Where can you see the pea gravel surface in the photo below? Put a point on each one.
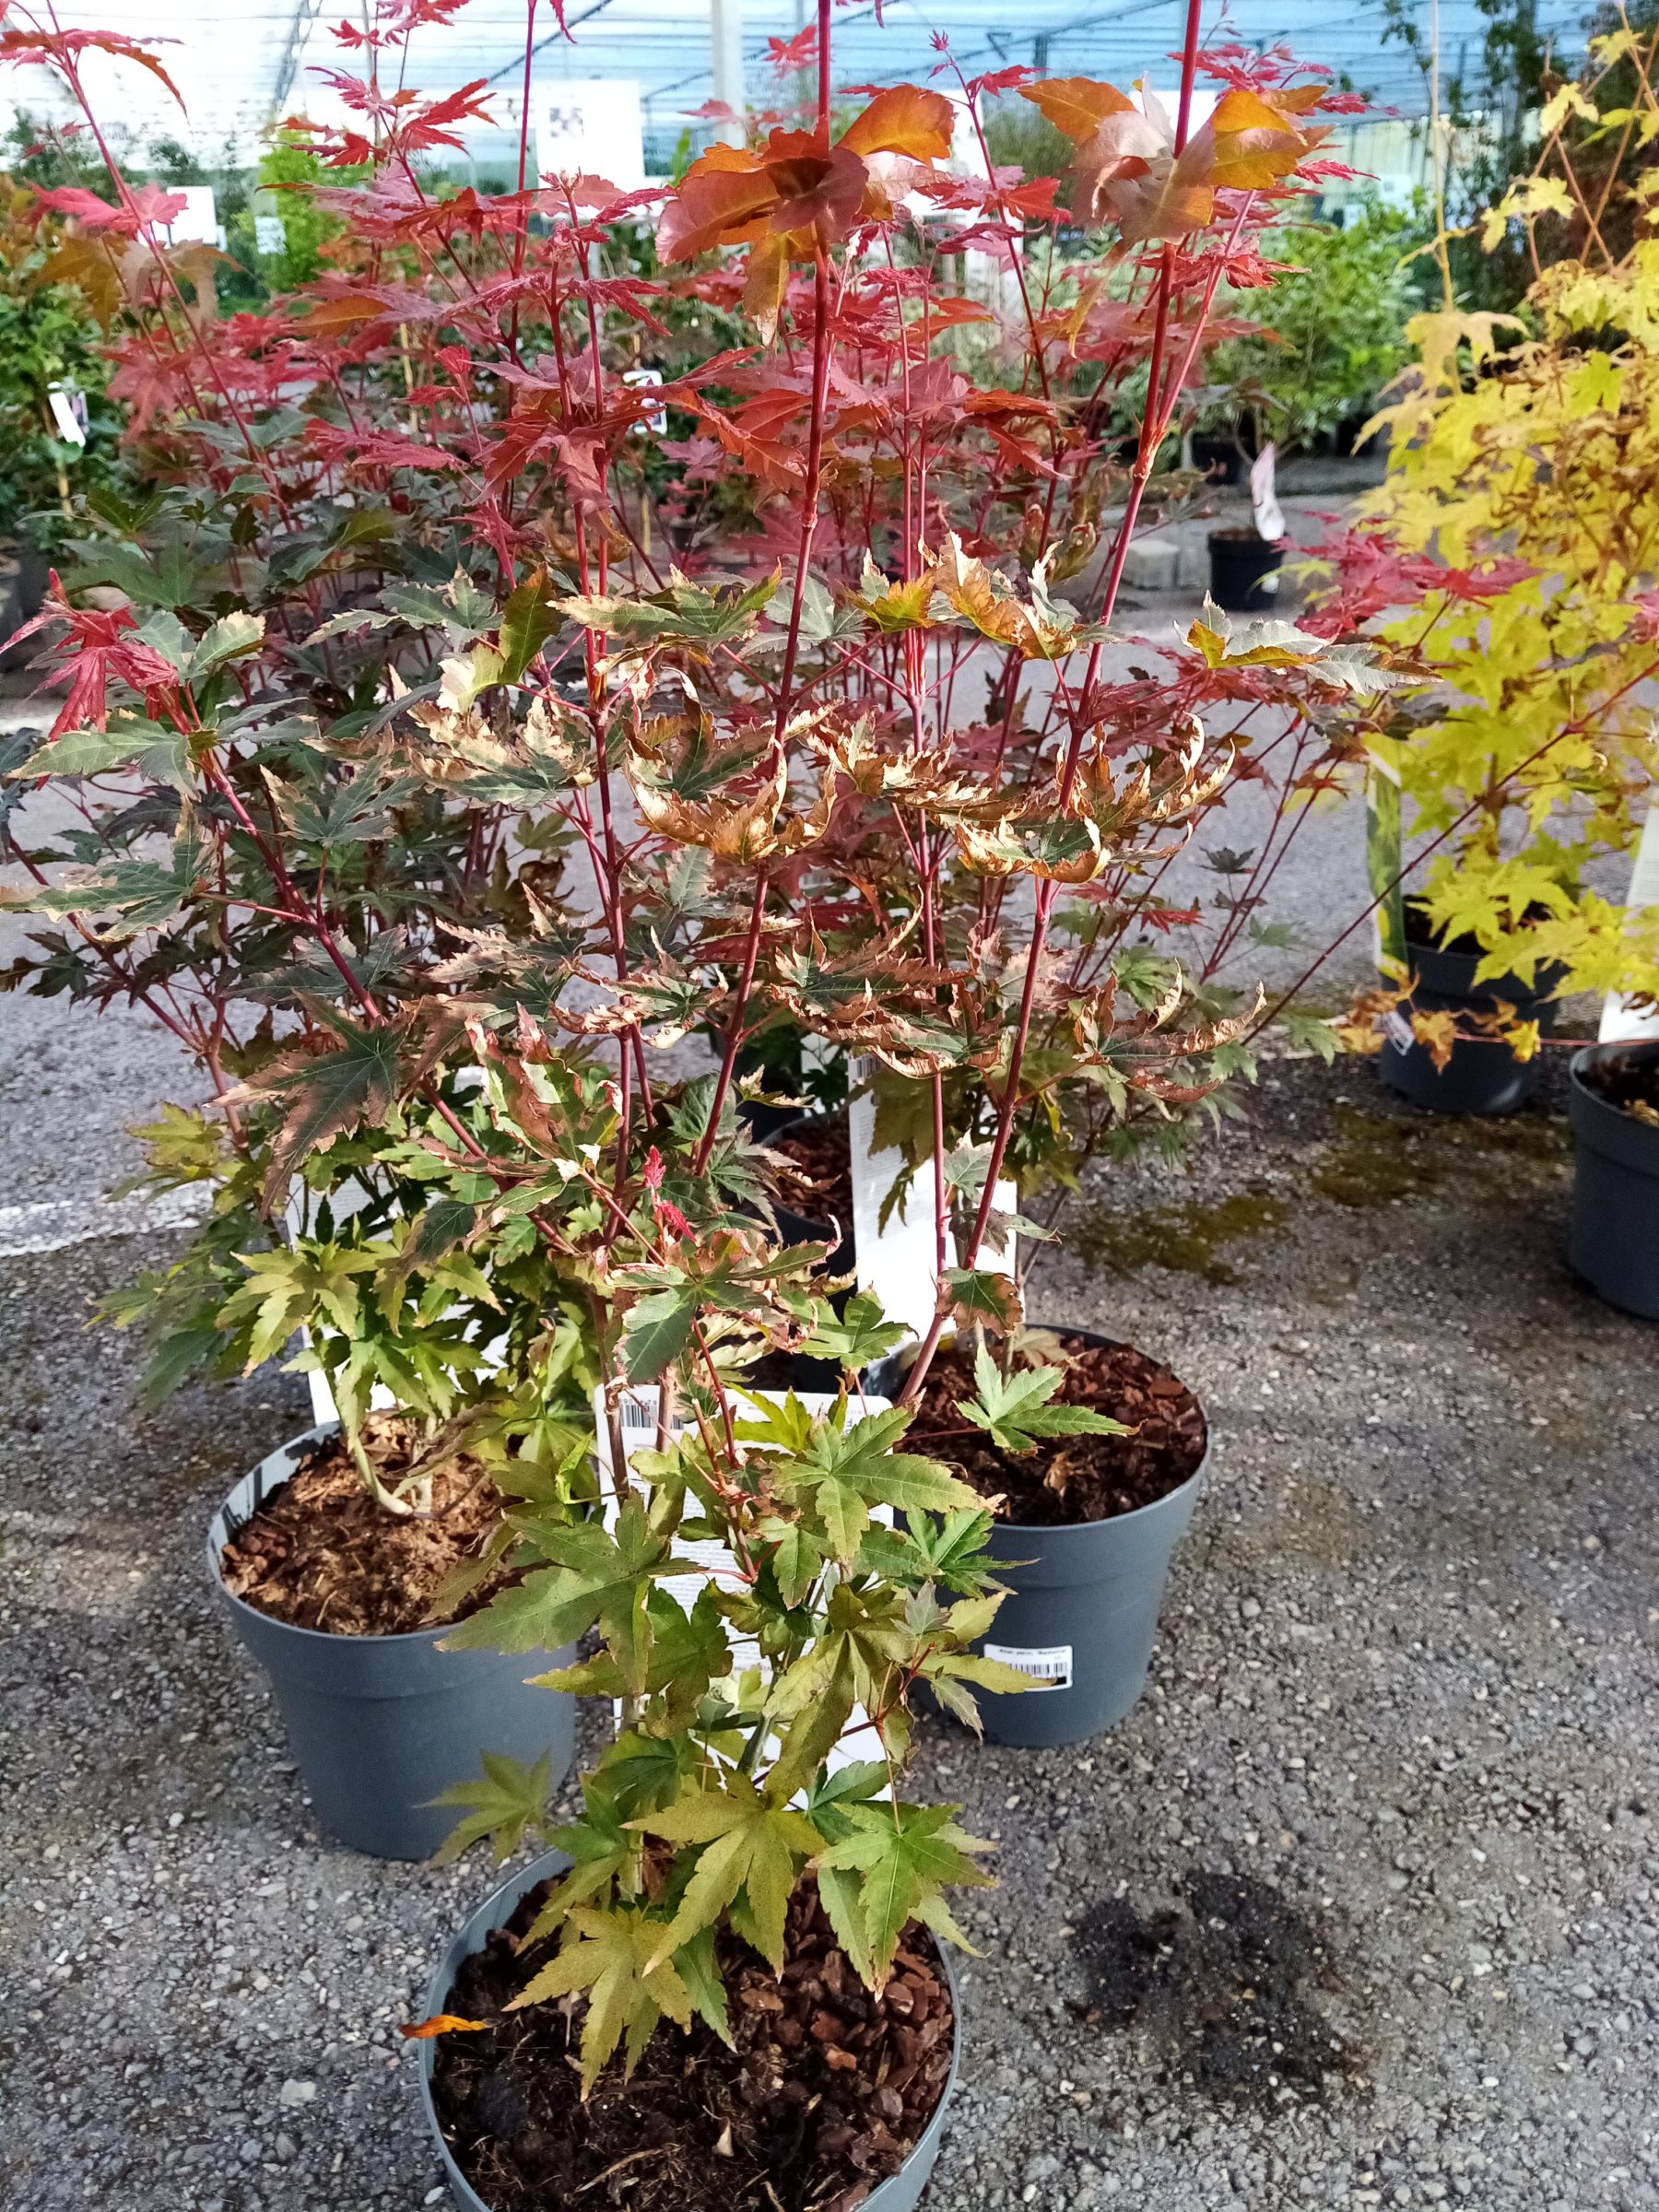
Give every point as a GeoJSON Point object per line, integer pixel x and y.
{"type": "Point", "coordinates": [1358, 1909]}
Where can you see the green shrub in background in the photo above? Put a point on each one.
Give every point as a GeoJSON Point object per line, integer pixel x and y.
{"type": "Point", "coordinates": [46, 337]}
{"type": "Point", "coordinates": [1330, 338]}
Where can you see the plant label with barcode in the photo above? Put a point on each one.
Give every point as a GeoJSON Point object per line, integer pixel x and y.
{"type": "Point", "coordinates": [1045, 1666]}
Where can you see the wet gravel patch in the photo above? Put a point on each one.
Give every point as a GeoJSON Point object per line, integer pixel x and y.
{"type": "Point", "coordinates": [1399, 1743]}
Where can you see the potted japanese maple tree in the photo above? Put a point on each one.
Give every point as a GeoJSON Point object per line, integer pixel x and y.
{"type": "Point", "coordinates": [1511, 559]}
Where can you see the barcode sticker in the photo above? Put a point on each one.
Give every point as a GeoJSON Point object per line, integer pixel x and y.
{"type": "Point", "coordinates": [1048, 1666]}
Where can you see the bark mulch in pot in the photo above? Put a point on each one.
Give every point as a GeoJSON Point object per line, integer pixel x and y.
{"type": "Point", "coordinates": [827, 2091]}
{"type": "Point", "coordinates": [817, 1182]}
{"type": "Point", "coordinates": [1069, 1479]}
{"type": "Point", "coordinates": [1628, 1083]}
{"type": "Point", "coordinates": [321, 1553]}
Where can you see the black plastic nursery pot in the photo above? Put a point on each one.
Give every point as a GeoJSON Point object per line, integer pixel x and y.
{"type": "Point", "coordinates": [901, 2193]}
{"type": "Point", "coordinates": [1614, 1241]}
{"type": "Point", "coordinates": [1223, 460]}
{"type": "Point", "coordinates": [1244, 572]}
{"type": "Point", "coordinates": [382, 1724]}
{"type": "Point", "coordinates": [1483, 1075]}
{"type": "Point", "coordinates": [1081, 1616]}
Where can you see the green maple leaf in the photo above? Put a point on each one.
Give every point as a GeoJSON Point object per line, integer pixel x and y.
{"type": "Point", "coordinates": [289, 1287]}
{"type": "Point", "coordinates": [596, 1576]}
{"type": "Point", "coordinates": [796, 1557]}
{"type": "Point", "coordinates": [903, 1857]}
{"type": "Point", "coordinates": [698, 1967]}
{"type": "Point", "coordinates": [846, 1467]}
{"type": "Point", "coordinates": [160, 753]}
{"type": "Point", "coordinates": [856, 1340]}
{"type": "Point", "coordinates": [748, 1847]}
{"type": "Point", "coordinates": [949, 1552]}
{"type": "Point", "coordinates": [229, 638]}
{"type": "Point", "coordinates": [507, 1799]}
{"type": "Point", "coordinates": [528, 620]}
{"type": "Point", "coordinates": [603, 1853]}
{"type": "Point", "coordinates": [853, 1655]}
{"type": "Point", "coordinates": [356, 1082]}
{"type": "Point", "coordinates": [659, 1328]}
{"type": "Point", "coordinates": [617, 1957]}
{"type": "Point", "coordinates": [683, 610]}
{"type": "Point", "coordinates": [688, 1652]}
{"type": "Point", "coordinates": [1017, 1414]}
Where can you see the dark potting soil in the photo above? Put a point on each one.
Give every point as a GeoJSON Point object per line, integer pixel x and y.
{"type": "Point", "coordinates": [1628, 1082]}
{"type": "Point", "coordinates": [321, 1554]}
{"type": "Point", "coordinates": [1072, 1479]}
{"type": "Point", "coordinates": [818, 1181]}
{"type": "Point", "coordinates": [827, 2089]}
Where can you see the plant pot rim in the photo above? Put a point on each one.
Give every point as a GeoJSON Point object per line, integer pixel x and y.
{"type": "Point", "coordinates": [291, 1452]}
{"type": "Point", "coordinates": [1591, 1101]}
{"type": "Point", "coordinates": [495, 1909]}
{"type": "Point", "coordinates": [1234, 535]}
{"type": "Point", "coordinates": [1050, 1530]}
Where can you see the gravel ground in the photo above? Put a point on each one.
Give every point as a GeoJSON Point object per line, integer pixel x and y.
{"type": "Point", "coordinates": [1393, 1777]}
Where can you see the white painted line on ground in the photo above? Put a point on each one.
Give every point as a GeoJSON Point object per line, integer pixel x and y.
{"type": "Point", "coordinates": [51, 1224]}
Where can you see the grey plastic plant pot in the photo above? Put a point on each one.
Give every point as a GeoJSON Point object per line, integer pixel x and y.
{"type": "Point", "coordinates": [1081, 1616]}
{"type": "Point", "coordinates": [1614, 1241]}
{"type": "Point", "coordinates": [901, 2193]}
{"type": "Point", "coordinates": [1482, 1076]}
{"type": "Point", "coordinates": [381, 1724]}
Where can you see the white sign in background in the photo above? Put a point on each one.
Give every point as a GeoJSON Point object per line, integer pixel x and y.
{"type": "Point", "coordinates": [196, 223]}
{"type": "Point", "coordinates": [588, 126]}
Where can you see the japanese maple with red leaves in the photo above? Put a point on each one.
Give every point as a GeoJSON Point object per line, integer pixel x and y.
{"type": "Point", "coordinates": [446, 750]}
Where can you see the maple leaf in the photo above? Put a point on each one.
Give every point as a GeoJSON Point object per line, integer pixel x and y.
{"type": "Point", "coordinates": [689, 1651]}
{"type": "Point", "coordinates": [903, 1857]}
{"type": "Point", "coordinates": [1041, 628]}
{"type": "Point", "coordinates": [615, 1957]}
{"type": "Point", "coordinates": [1017, 1413]}
{"type": "Point", "coordinates": [599, 1575]}
{"type": "Point", "coordinates": [507, 1800]}
{"type": "Point", "coordinates": [748, 1846]}
{"type": "Point", "coordinates": [903, 120]}
{"type": "Point", "coordinates": [1077, 106]}
{"type": "Point", "coordinates": [845, 1468]}
{"type": "Point", "coordinates": [64, 49]}
{"type": "Point", "coordinates": [442, 2023]}
{"type": "Point", "coordinates": [895, 606]}
{"type": "Point", "coordinates": [327, 1092]}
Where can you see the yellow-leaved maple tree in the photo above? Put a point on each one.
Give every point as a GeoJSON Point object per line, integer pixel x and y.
{"type": "Point", "coordinates": [1519, 529]}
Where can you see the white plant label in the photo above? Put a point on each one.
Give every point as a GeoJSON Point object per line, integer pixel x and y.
{"type": "Point", "coordinates": [1397, 1029]}
{"type": "Point", "coordinates": [68, 413]}
{"type": "Point", "coordinates": [896, 1259]}
{"type": "Point", "coordinates": [639, 1406]}
{"type": "Point", "coordinates": [1045, 1666]}
{"type": "Point", "coordinates": [1264, 498]}
{"type": "Point", "coordinates": [655, 424]}
{"type": "Point", "coordinates": [1621, 1019]}
{"type": "Point", "coordinates": [588, 126]}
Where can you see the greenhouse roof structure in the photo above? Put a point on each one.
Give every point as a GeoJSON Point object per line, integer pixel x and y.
{"type": "Point", "coordinates": [242, 65]}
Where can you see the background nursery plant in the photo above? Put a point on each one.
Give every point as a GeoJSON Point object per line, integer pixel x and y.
{"type": "Point", "coordinates": [1519, 527]}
